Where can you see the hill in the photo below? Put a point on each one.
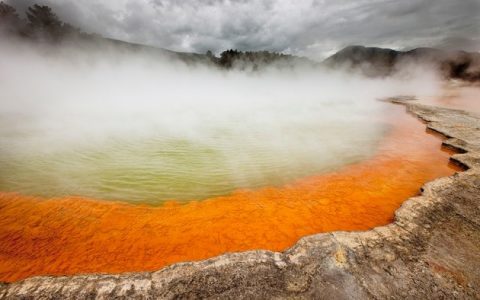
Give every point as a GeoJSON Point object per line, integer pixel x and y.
{"type": "Point", "coordinates": [373, 61]}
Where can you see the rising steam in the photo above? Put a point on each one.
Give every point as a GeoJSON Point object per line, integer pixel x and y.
{"type": "Point", "coordinates": [133, 125]}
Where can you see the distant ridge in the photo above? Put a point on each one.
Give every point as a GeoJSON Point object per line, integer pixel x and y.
{"type": "Point", "coordinates": [374, 61]}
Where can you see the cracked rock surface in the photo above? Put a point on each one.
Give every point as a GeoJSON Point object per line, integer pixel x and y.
{"type": "Point", "coordinates": [430, 251]}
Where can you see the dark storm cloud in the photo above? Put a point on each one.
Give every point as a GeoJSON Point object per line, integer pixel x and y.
{"type": "Point", "coordinates": [309, 27]}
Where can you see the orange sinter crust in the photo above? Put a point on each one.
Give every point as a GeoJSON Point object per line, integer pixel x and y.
{"type": "Point", "coordinates": [74, 235]}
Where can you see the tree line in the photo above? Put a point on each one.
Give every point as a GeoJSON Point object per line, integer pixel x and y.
{"type": "Point", "coordinates": [255, 59]}
{"type": "Point", "coordinates": [40, 23]}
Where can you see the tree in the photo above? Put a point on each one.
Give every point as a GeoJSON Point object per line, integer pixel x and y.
{"type": "Point", "coordinates": [7, 12]}
{"type": "Point", "coordinates": [9, 20]}
{"type": "Point", "coordinates": [41, 19]}
{"type": "Point", "coordinates": [228, 57]}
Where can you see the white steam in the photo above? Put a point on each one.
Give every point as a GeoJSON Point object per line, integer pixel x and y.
{"type": "Point", "coordinates": [151, 119]}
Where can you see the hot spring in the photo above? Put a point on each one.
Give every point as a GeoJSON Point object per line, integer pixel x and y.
{"type": "Point", "coordinates": [198, 161]}
{"type": "Point", "coordinates": [147, 134]}
{"type": "Point", "coordinates": [182, 150]}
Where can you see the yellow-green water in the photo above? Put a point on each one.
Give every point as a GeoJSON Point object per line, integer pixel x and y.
{"type": "Point", "coordinates": [157, 168]}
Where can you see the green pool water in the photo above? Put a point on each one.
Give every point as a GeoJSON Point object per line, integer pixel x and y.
{"type": "Point", "coordinates": [157, 166]}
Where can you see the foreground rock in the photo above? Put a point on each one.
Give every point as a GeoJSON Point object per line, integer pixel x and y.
{"type": "Point", "coordinates": [431, 251]}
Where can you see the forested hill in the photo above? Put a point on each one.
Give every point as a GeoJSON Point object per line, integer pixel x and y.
{"type": "Point", "coordinates": [383, 62]}
{"type": "Point", "coordinates": [42, 26]}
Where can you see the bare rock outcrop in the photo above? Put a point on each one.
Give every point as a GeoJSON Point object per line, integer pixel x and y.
{"type": "Point", "coordinates": [430, 251]}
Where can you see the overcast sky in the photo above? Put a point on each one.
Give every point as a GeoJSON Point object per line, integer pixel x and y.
{"type": "Point", "coordinates": [303, 27]}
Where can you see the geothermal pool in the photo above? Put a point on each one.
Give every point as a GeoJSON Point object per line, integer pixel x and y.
{"type": "Point", "coordinates": [268, 198]}
{"type": "Point", "coordinates": [203, 156]}
{"type": "Point", "coordinates": [116, 163]}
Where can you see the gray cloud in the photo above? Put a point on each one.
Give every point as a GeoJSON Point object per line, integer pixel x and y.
{"type": "Point", "coordinates": [313, 28]}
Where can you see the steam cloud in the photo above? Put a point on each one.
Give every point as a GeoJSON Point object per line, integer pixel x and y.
{"type": "Point", "coordinates": [76, 100]}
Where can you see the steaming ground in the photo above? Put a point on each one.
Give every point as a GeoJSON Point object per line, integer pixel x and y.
{"type": "Point", "coordinates": [133, 127]}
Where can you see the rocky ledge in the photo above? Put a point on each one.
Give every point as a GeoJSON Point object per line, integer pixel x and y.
{"type": "Point", "coordinates": [430, 251]}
